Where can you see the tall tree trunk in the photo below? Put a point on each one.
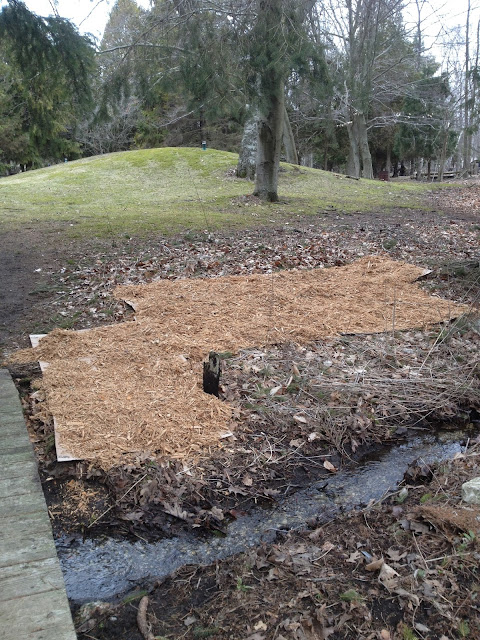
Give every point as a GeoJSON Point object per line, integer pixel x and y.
{"type": "Point", "coordinates": [466, 115]}
{"type": "Point", "coordinates": [273, 28]}
{"type": "Point", "coordinates": [443, 155]}
{"type": "Point", "coordinates": [353, 161]}
{"type": "Point", "coordinates": [388, 163]}
{"type": "Point", "coordinates": [289, 140]}
{"type": "Point", "coordinates": [269, 140]}
{"type": "Point", "coordinates": [361, 130]}
{"type": "Point", "coordinates": [420, 164]}
{"type": "Point", "coordinates": [247, 159]}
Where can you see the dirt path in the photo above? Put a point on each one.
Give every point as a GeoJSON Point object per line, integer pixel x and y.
{"type": "Point", "coordinates": [24, 258]}
{"type": "Point", "coordinates": [28, 261]}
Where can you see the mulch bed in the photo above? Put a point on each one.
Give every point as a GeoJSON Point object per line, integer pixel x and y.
{"type": "Point", "coordinates": [134, 388]}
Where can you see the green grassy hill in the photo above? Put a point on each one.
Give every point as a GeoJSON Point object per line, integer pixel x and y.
{"type": "Point", "coordinates": [173, 189]}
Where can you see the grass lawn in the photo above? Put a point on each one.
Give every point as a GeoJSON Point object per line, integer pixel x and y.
{"type": "Point", "coordinates": [170, 190]}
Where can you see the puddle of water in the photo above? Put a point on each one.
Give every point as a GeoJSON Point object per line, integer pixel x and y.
{"type": "Point", "coordinates": [105, 570]}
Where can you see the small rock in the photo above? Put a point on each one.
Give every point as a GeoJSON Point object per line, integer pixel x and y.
{"type": "Point", "coordinates": [471, 491]}
{"type": "Point", "coordinates": [92, 609]}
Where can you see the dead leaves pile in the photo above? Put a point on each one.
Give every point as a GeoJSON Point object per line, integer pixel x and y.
{"type": "Point", "coordinates": [339, 394]}
{"type": "Point", "coordinates": [83, 295]}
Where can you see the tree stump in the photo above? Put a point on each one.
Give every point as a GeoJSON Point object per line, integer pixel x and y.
{"type": "Point", "coordinates": [211, 374]}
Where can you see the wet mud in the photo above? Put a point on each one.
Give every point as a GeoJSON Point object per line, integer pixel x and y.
{"type": "Point", "coordinates": [107, 569]}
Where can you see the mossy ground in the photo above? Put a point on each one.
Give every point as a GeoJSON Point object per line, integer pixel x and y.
{"type": "Point", "coordinates": [173, 189]}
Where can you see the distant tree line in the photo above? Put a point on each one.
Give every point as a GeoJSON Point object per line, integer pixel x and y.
{"type": "Point", "coordinates": [343, 85]}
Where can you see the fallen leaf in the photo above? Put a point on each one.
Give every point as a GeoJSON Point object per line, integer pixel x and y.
{"type": "Point", "coordinates": [133, 516]}
{"type": "Point", "coordinates": [296, 443]}
{"type": "Point", "coordinates": [237, 513]}
{"type": "Point", "coordinates": [175, 510]}
{"type": "Point", "coordinates": [329, 466]}
{"type": "Point", "coordinates": [247, 480]}
{"type": "Point", "coordinates": [300, 419]}
{"type": "Point", "coordinates": [388, 577]}
{"type": "Point", "coordinates": [421, 627]}
{"type": "Point", "coordinates": [410, 596]}
{"type": "Point", "coordinates": [275, 390]}
{"type": "Point", "coordinates": [260, 626]}
{"type": "Point", "coordinates": [418, 527]}
{"type": "Point", "coordinates": [316, 535]}
{"type": "Point", "coordinates": [237, 490]}
{"type": "Point", "coordinates": [395, 555]}
{"type": "Point", "coordinates": [189, 621]}
{"type": "Point", "coordinates": [375, 565]}
{"type": "Point", "coordinates": [273, 574]}
{"type": "Point", "coordinates": [217, 513]}
{"type": "Point", "coordinates": [354, 557]}
{"type": "Point", "coordinates": [227, 434]}
{"type": "Point", "coordinates": [385, 635]}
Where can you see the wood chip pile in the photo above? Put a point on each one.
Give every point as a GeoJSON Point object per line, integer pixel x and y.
{"type": "Point", "coordinates": [124, 389]}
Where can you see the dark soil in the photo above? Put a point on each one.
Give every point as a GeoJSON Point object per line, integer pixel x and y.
{"type": "Point", "coordinates": [405, 568]}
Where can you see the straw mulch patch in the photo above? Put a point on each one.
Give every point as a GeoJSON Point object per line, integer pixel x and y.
{"type": "Point", "coordinates": [120, 390]}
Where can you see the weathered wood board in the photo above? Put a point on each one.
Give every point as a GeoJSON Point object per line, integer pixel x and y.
{"type": "Point", "coordinates": [33, 601]}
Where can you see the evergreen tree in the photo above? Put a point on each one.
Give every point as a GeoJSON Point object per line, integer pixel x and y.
{"type": "Point", "coordinates": [51, 64]}
{"type": "Point", "coordinates": [425, 130]}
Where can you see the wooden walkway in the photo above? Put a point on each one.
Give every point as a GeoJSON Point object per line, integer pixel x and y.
{"type": "Point", "coordinates": [33, 602]}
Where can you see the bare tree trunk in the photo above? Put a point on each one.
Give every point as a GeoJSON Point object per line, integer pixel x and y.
{"type": "Point", "coordinates": [271, 77]}
{"type": "Point", "coordinates": [247, 158]}
{"type": "Point", "coordinates": [289, 140]}
{"type": "Point", "coordinates": [353, 162]}
{"type": "Point", "coordinates": [388, 163]}
{"type": "Point", "coordinates": [307, 160]}
{"type": "Point", "coordinates": [269, 140]}
{"type": "Point", "coordinates": [443, 155]}
{"type": "Point", "coordinates": [361, 130]}
{"type": "Point", "coordinates": [466, 115]}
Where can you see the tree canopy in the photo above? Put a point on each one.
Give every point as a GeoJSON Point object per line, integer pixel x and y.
{"type": "Point", "coordinates": [342, 84]}
{"type": "Point", "coordinates": [46, 76]}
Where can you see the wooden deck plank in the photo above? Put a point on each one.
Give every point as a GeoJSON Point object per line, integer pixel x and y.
{"type": "Point", "coordinates": [18, 469]}
{"type": "Point", "coordinates": [15, 454]}
{"type": "Point", "coordinates": [7, 422]}
{"type": "Point", "coordinates": [35, 613]}
{"type": "Point", "coordinates": [30, 578]}
{"type": "Point", "coordinates": [18, 485]}
{"type": "Point", "coordinates": [33, 602]}
{"type": "Point", "coordinates": [26, 542]}
{"type": "Point", "coordinates": [11, 440]}
{"type": "Point", "coordinates": [14, 506]}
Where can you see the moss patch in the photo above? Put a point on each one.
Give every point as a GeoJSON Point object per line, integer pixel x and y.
{"type": "Point", "coordinates": [171, 189]}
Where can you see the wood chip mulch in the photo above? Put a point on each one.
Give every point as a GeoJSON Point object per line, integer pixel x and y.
{"type": "Point", "coordinates": [116, 391]}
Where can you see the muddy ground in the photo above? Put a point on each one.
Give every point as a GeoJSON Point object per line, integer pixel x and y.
{"type": "Point", "coordinates": [314, 584]}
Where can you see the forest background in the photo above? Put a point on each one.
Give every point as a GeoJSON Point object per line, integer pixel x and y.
{"type": "Point", "coordinates": [364, 87]}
